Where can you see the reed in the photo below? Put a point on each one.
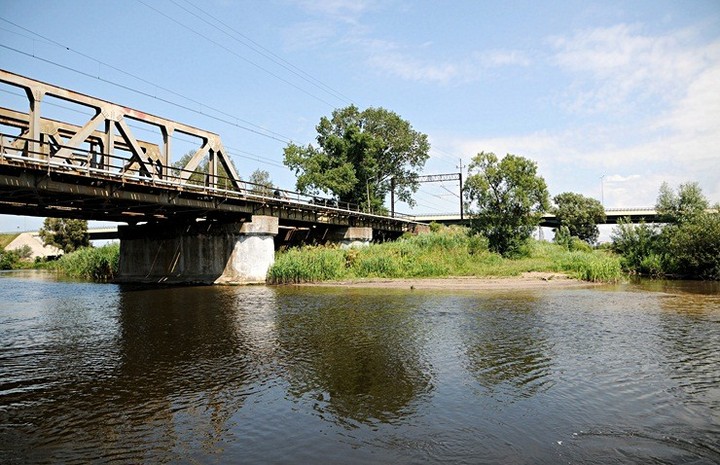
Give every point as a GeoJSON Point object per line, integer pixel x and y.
{"type": "Point", "coordinates": [594, 267]}
{"type": "Point", "coordinates": [94, 263]}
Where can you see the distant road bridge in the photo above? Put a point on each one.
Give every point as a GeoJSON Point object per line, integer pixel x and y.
{"type": "Point", "coordinates": [612, 215]}
{"type": "Point", "coordinates": [199, 222]}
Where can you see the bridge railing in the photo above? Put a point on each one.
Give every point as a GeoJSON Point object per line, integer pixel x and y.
{"type": "Point", "coordinates": [16, 150]}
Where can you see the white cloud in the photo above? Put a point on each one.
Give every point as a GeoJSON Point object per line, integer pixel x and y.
{"type": "Point", "coordinates": [344, 10]}
{"type": "Point", "coordinates": [416, 65]}
{"type": "Point", "coordinates": [617, 68]}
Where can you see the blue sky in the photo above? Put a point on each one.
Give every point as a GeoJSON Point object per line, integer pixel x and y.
{"type": "Point", "coordinates": [609, 98]}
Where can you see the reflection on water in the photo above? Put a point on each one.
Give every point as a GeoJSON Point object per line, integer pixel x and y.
{"type": "Point", "coordinates": [102, 373]}
{"type": "Point", "coordinates": [357, 354]}
{"type": "Point", "coordinates": [506, 345]}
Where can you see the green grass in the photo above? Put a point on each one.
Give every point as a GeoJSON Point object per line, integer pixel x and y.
{"type": "Point", "coordinates": [6, 238]}
{"type": "Point", "coordinates": [443, 253]}
{"type": "Point", "coordinates": [97, 264]}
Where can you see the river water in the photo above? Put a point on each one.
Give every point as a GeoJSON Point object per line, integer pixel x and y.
{"type": "Point", "coordinates": [94, 373]}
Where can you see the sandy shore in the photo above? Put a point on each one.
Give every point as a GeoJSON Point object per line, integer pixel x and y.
{"type": "Point", "coordinates": [532, 280]}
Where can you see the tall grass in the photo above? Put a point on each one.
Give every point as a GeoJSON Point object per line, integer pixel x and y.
{"type": "Point", "coordinates": [442, 253]}
{"type": "Point", "coordinates": [94, 263]}
{"type": "Point", "coordinates": [594, 267]}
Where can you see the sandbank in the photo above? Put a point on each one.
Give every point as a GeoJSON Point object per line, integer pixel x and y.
{"type": "Point", "coordinates": [531, 280]}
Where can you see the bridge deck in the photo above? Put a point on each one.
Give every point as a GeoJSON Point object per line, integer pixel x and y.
{"type": "Point", "coordinates": [42, 187]}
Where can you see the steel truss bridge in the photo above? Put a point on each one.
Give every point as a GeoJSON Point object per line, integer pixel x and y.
{"type": "Point", "coordinates": [101, 171]}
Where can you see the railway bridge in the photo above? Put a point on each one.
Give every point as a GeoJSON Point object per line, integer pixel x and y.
{"type": "Point", "coordinates": [195, 223]}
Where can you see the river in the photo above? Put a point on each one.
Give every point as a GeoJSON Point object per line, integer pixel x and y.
{"type": "Point", "coordinates": [93, 373]}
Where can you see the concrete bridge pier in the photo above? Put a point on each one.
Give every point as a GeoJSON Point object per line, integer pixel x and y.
{"type": "Point", "coordinates": [201, 252]}
{"type": "Point", "coordinates": [353, 236]}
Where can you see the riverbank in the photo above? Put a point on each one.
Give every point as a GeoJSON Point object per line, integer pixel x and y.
{"type": "Point", "coordinates": [526, 281]}
{"type": "Point", "coordinates": [448, 252]}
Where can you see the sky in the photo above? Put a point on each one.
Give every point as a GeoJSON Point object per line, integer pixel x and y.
{"type": "Point", "coordinates": [610, 98]}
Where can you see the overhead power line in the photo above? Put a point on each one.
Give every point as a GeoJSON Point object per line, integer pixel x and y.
{"type": "Point", "coordinates": [146, 94]}
{"type": "Point", "coordinates": [223, 47]}
{"type": "Point", "coordinates": [259, 129]}
{"type": "Point", "coordinates": [264, 52]}
{"type": "Point", "coordinates": [232, 151]}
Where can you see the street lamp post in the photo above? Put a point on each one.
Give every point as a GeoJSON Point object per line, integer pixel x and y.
{"type": "Point", "coordinates": [602, 189]}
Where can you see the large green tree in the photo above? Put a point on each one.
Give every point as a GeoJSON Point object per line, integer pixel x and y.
{"type": "Point", "coordinates": [359, 156]}
{"type": "Point", "coordinates": [66, 234]}
{"type": "Point", "coordinates": [579, 214]}
{"type": "Point", "coordinates": [506, 199]}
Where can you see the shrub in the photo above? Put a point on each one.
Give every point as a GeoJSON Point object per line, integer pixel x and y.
{"type": "Point", "coordinates": [448, 252]}
{"type": "Point", "coordinates": [477, 244]}
{"type": "Point", "coordinates": [635, 243]}
{"type": "Point", "coordinates": [8, 259]}
{"type": "Point", "coordinates": [435, 227]}
{"type": "Point", "coordinates": [693, 247]}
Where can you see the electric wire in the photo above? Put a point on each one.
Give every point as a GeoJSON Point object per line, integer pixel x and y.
{"type": "Point", "coordinates": [232, 151]}
{"type": "Point", "coordinates": [223, 47]}
{"type": "Point", "coordinates": [264, 52]}
{"type": "Point", "coordinates": [145, 81]}
{"type": "Point", "coordinates": [146, 94]}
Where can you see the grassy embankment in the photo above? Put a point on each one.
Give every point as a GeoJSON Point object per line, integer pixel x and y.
{"type": "Point", "coordinates": [6, 238]}
{"type": "Point", "coordinates": [444, 253]}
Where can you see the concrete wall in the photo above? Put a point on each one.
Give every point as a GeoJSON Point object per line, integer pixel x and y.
{"type": "Point", "coordinates": [203, 252]}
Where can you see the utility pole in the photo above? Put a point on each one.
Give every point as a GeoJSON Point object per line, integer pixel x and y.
{"type": "Point", "coordinates": [460, 167]}
{"type": "Point", "coordinates": [392, 197]}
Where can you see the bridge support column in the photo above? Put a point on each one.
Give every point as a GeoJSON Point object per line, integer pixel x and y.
{"type": "Point", "coordinates": [202, 252]}
{"type": "Point", "coordinates": [353, 236]}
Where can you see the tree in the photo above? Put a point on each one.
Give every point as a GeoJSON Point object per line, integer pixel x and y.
{"type": "Point", "coordinates": [66, 234]}
{"type": "Point", "coordinates": [261, 183]}
{"type": "Point", "coordinates": [677, 208]}
{"type": "Point", "coordinates": [580, 215]}
{"type": "Point", "coordinates": [360, 156]}
{"type": "Point", "coordinates": [510, 199]}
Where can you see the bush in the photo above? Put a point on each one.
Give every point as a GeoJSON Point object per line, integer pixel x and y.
{"type": "Point", "coordinates": [578, 245]}
{"type": "Point", "coordinates": [477, 244]}
{"type": "Point", "coordinates": [435, 227]}
{"type": "Point", "coordinates": [693, 247]}
{"type": "Point", "coordinates": [636, 243]}
{"type": "Point", "coordinates": [8, 259]}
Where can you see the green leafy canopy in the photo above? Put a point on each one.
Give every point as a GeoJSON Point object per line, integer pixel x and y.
{"type": "Point", "coordinates": [359, 155]}
{"type": "Point", "coordinates": [509, 198]}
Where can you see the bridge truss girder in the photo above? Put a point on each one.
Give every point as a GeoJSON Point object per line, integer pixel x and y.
{"type": "Point", "coordinates": [59, 141]}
